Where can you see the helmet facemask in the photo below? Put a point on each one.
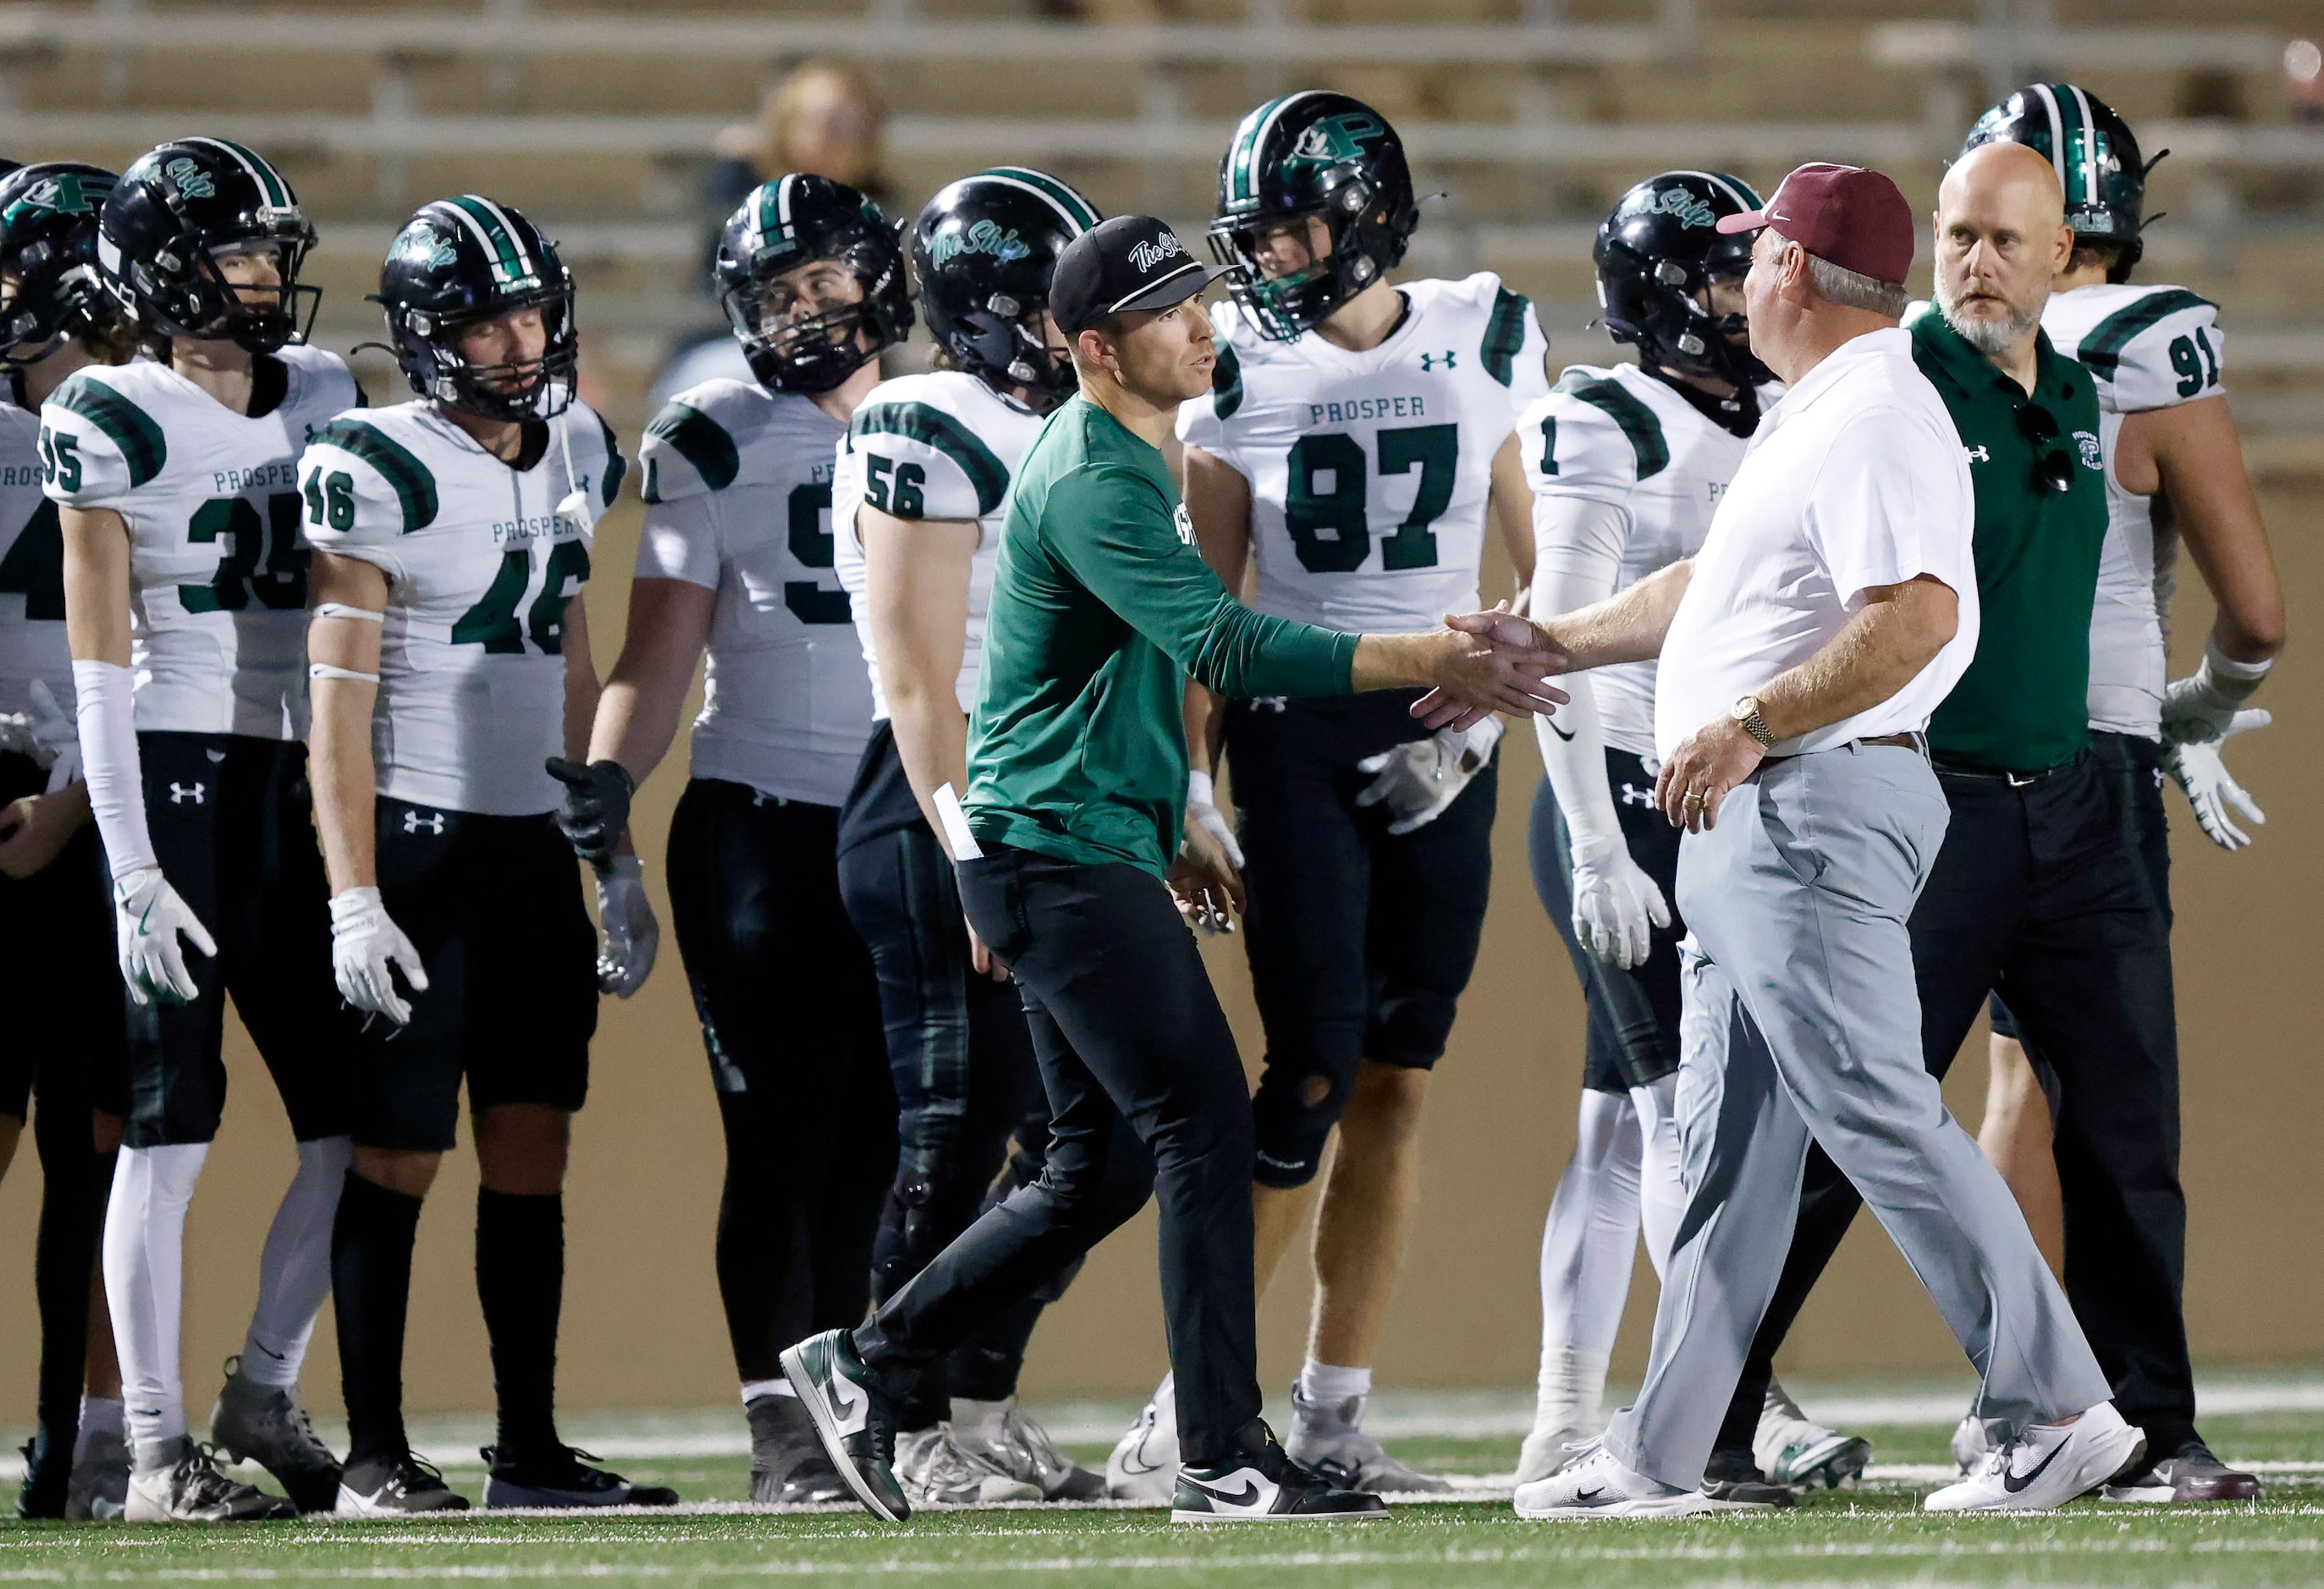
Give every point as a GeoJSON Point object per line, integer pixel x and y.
{"type": "Point", "coordinates": [1676, 326]}
{"type": "Point", "coordinates": [1008, 339]}
{"type": "Point", "coordinates": [214, 302]}
{"type": "Point", "coordinates": [801, 336]}
{"type": "Point", "coordinates": [1275, 271]}
{"type": "Point", "coordinates": [536, 389]}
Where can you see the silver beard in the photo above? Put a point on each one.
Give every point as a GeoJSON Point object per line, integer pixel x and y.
{"type": "Point", "coordinates": [1990, 337]}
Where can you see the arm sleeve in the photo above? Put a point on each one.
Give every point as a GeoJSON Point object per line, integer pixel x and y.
{"type": "Point", "coordinates": [1114, 532]}
{"type": "Point", "coordinates": [104, 695]}
{"type": "Point", "coordinates": [1578, 557]}
{"type": "Point", "coordinates": [1891, 501]}
{"type": "Point", "coordinates": [919, 462]}
{"type": "Point", "coordinates": [97, 447]}
{"type": "Point", "coordinates": [680, 541]}
{"type": "Point", "coordinates": [364, 492]}
{"type": "Point", "coordinates": [2177, 356]}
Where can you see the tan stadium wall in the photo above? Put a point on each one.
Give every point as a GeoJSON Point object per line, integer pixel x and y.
{"type": "Point", "coordinates": [642, 1327]}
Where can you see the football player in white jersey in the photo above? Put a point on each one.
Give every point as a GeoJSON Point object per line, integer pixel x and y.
{"type": "Point", "coordinates": [185, 598]}
{"type": "Point", "coordinates": [2175, 474]}
{"type": "Point", "coordinates": [736, 560]}
{"type": "Point", "coordinates": [450, 662]}
{"type": "Point", "coordinates": [916, 509]}
{"type": "Point", "coordinates": [1355, 447]}
{"type": "Point", "coordinates": [1627, 464]}
{"type": "Point", "coordinates": [70, 1050]}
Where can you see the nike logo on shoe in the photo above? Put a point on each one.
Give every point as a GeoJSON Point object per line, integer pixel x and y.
{"type": "Point", "coordinates": [1584, 1496]}
{"type": "Point", "coordinates": [2013, 1483]}
{"type": "Point", "coordinates": [1248, 1494]}
{"type": "Point", "coordinates": [848, 1404]}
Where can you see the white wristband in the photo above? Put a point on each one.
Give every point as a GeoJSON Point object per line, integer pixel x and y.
{"type": "Point", "coordinates": [106, 696]}
{"type": "Point", "coordinates": [323, 670]}
{"type": "Point", "coordinates": [1200, 790]}
{"type": "Point", "coordinates": [341, 610]}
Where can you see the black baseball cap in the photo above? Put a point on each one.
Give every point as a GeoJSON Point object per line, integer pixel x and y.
{"type": "Point", "coordinates": [1129, 263]}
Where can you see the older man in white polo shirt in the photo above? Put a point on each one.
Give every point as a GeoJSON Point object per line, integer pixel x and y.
{"type": "Point", "coordinates": [1831, 608]}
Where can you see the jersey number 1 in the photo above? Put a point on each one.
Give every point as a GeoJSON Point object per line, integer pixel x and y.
{"type": "Point", "coordinates": [1308, 512]}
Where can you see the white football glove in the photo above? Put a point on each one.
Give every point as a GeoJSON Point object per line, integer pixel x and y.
{"type": "Point", "coordinates": [364, 942]}
{"type": "Point", "coordinates": [56, 733]}
{"type": "Point", "coordinates": [2203, 705]}
{"type": "Point", "coordinates": [1418, 779]}
{"type": "Point", "coordinates": [147, 917]}
{"type": "Point", "coordinates": [2211, 788]}
{"type": "Point", "coordinates": [1203, 812]}
{"type": "Point", "coordinates": [627, 933]}
{"type": "Point", "coordinates": [1616, 906]}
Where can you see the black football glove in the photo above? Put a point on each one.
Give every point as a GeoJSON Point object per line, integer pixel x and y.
{"type": "Point", "coordinates": [596, 809]}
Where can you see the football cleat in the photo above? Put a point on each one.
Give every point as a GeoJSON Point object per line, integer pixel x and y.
{"type": "Point", "coordinates": [191, 1490]}
{"type": "Point", "coordinates": [1545, 1450]}
{"type": "Point", "coordinates": [853, 1418]}
{"type": "Point", "coordinates": [2047, 1465]}
{"type": "Point", "coordinates": [2189, 1473]}
{"type": "Point", "coordinates": [936, 1469]}
{"type": "Point", "coordinates": [100, 1490]}
{"type": "Point", "coordinates": [1262, 1484]}
{"type": "Point", "coordinates": [1594, 1486]}
{"type": "Point", "coordinates": [1144, 1465]}
{"type": "Point", "coordinates": [268, 1425]}
{"type": "Point", "coordinates": [1732, 1477]}
{"type": "Point", "coordinates": [393, 1485]}
{"type": "Point", "coordinates": [1021, 1448]}
{"type": "Point", "coordinates": [1326, 1439]}
{"type": "Point", "coordinates": [788, 1467]}
{"type": "Point", "coordinates": [48, 1479]}
{"type": "Point", "coordinates": [1791, 1448]}
{"type": "Point", "coordinates": [561, 1479]}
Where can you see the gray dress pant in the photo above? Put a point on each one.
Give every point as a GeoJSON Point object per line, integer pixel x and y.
{"type": "Point", "coordinates": [1801, 1019]}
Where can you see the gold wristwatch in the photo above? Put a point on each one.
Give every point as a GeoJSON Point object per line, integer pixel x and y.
{"type": "Point", "coordinates": [1745, 713]}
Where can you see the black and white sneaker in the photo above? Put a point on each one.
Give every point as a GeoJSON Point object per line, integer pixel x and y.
{"type": "Point", "coordinates": [853, 1418]}
{"type": "Point", "coordinates": [788, 1467]}
{"type": "Point", "coordinates": [2189, 1473]}
{"type": "Point", "coordinates": [268, 1425]}
{"type": "Point", "coordinates": [1732, 1477]}
{"type": "Point", "coordinates": [561, 1479]}
{"type": "Point", "coordinates": [1264, 1485]}
{"type": "Point", "coordinates": [191, 1490]}
{"type": "Point", "coordinates": [394, 1486]}
{"type": "Point", "coordinates": [2046, 1465]}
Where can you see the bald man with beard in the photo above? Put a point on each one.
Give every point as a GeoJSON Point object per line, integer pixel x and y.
{"type": "Point", "coordinates": [2034, 894]}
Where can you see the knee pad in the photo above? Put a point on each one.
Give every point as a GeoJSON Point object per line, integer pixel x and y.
{"type": "Point", "coordinates": [1410, 1025]}
{"type": "Point", "coordinates": [1292, 1116]}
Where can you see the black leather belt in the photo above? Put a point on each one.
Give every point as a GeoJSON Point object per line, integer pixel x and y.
{"type": "Point", "coordinates": [2015, 780]}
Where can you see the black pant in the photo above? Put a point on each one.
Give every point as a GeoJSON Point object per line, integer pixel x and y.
{"type": "Point", "coordinates": [791, 1018]}
{"type": "Point", "coordinates": [2042, 895]}
{"type": "Point", "coordinates": [1145, 1092]}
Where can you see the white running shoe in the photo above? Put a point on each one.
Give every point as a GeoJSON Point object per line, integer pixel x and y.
{"type": "Point", "coordinates": [935, 1470]}
{"type": "Point", "coordinates": [1792, 1448]}
{"type": "Point", "coordinates": [1594, 1484]}
{"type": "Point", "coordinates": [2048, 1465]}
{"type": "Point", "coordinates": [1548, 1449]}
{"type": "Point", "coordinates": [1011, 1441]}
{"type": "Point", "coordinates": [1328, 1441]}
{"type": "Point", "coordinates": [1974, 1437]}
{"type": "Point", "coordinates": [1144, 1465]}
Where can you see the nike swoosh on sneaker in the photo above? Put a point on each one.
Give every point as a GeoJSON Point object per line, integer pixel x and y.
{"type": "Point", "coordinates": [1249, 1492]}
{"type": "Point", "coordinates": [2013, 1483]}
{"type": "Point", "coordinates": [1582, 1496]}
{"type": "Point", "coordinates": [847, 1408]}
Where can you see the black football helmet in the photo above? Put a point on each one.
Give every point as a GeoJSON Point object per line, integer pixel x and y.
{"type": "Point", "coordinates": [48, 243]}
{"type": "Point", "coordinates": [1657, 254]}
{"type": "Point", "coordinates": [169, 218]}
{"type": "Point", "coordinates": [1321, 154]}
{"type": "Point", "coordinates": [793, 221]}
{"type": "Point", "coordinates": [459, 261]}
{"type": "Point", "coordinates": [982, 251]}
{"type": "Point", "coordinates": [2096, 157]}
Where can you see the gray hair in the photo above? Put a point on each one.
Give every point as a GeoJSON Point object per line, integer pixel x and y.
{"type": "Point", "coordinates": [1849, 289]}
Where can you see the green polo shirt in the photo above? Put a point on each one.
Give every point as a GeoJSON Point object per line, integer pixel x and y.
{"type": "Point", "coordinates": [2023, 703]}
{"type": "Point", "coordinates": [1101, 608]}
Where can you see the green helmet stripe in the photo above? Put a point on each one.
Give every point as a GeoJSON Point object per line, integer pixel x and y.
{"type": "Point", "coordinates": [2086, 169]}
{"type": "Point", "coordinates": [487, 227]}
{"type": "Point", "coordinates": [1242, 156]}
{"type": "Point", "coordinates": [269, 183]}
{"type": "Point", "coordinates": [1075, 207]}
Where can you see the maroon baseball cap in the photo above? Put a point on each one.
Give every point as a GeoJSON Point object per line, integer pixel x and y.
{"type": "Point", "coordinates": [1851, 216]}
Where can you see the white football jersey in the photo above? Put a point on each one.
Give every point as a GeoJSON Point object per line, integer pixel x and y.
{"type": "Point", "coordinates": [480, 566]}
{"type": "Point", "coordinates": [32, 572]}
{"type": "Point", "coordinates": [218, 576]}
{"type": "Point", "coordinates": [1623, 438]}
{"type": "Point", "coordinates": [737, 485]}
{"type": "Point", "coordinates": [940, 445]}
{"type": "Point", "coordinates": [1370, 471]}
{"type": "Point", "coordinates": [2146, 348]}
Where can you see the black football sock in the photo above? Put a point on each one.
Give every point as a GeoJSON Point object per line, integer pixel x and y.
{"type": "Point", "coordinates": [520, 1281]}
{"type": "Point", "coordinates": [75, 1180]}
{"type": "Point", "coordinates": [371, 1294]}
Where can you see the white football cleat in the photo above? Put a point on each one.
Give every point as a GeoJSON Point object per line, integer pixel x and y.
{"type": "Point", "coordinates": [1792, 1448]}
{"type": "Point", "coordinates": [1594, 1484]}
{"type": "Point", "coordinates": [1144, 1465]}
{"type": "Point", "coordinates": [935, 1470]}
{"type": "Point", "coordinates": [1545, 1450]}
{"type": "Point", "coordinates": [1329, 1441]}
{"type": "Point", "coordinates": [2048, 1465]}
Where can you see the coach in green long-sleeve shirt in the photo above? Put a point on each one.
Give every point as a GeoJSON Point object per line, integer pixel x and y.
{"type": "Point", "coordinates": [1071, 871]}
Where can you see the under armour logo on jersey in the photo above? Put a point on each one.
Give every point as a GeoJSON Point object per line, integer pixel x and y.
{"type": "Point", "coordinates": [1977, 455]}
{"type": "Point", "coordinates": [179, 793]}
{"type": "Point", "coordinates": [1428, 361]}
{"type": "Point", "coordinates": [1634, 795]}
{"type": "Point", "coordinates": [412, 822]}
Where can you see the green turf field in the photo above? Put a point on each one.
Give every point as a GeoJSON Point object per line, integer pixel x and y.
{"type": "Point", "coordinates": [1874, 1533]}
